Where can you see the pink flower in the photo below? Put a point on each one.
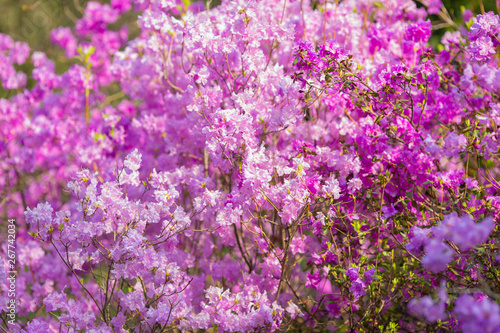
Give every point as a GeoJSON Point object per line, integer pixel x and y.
{"type": "Point", "coordinates": [425, 307]}
{"type": "Point", "coordinates": [419, 31]}
{"type": "Point", "coordinates": [332, 187]}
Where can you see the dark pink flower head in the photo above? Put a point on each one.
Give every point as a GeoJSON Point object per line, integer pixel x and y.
{"type": "Point", "coordinates": [438, 256]}
{"type": "Point", "coordinates": [485, 25]}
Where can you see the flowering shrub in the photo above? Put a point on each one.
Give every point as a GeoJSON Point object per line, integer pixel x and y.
{"type": "Point", "coordinates": [256, 166]}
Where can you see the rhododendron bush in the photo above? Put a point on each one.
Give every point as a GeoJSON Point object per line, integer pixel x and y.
{"type": "Point", "coordinates": [258, 166]}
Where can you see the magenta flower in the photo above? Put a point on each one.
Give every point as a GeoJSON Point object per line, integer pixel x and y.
{"type": "Point", "coordinates": [437, 257]}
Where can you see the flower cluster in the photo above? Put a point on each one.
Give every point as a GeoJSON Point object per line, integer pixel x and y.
{"type": "Point", "coordinates": [255, 166]}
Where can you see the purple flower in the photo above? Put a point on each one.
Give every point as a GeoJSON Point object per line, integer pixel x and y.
{"type": "Point", "coordinates": [471, 183]}
{"type": "Point", "coordinates": [477, 316]}
{"type": "Point", "coordinates": [437, 257]}
{"type": "Point", "coordinates": [55, 301]}
{"type": "Point", "coordinates": [482, 48]}
{"type": "Point", "coordinates": [133, 160]}
{"type": "Point", "coordinates": [418, 237]}
{"type": "Point", "coordinates": [36, 326]}
{"type": "Point", "coordinates": [425, 307]}
{"type": "Point", "coordinates": [41, 214]}
{"type": "Point", "coordinates": [419, 31]}
{"type": "Point", "coordinates": [389, 211]}
{"type": "Point", "coordinates": [434, 6]}
{"type": "Point", "coordinates": [332, 187]}
{"type": "Point", "coordinates": [368, 275]}
{"type": "Point", "coordinates": [357, 288]}
{"type": "Point", "coordinates": [467, 15]}
{"type": "Point", "coordinates": [485, 24]}
{"type": "Point", "coordinates": [462, 231]}
{"type": "Point", "coordinates": [63, 37]}
{"type": "Point", "coordinates": [354, 185]}
{"type": "Point", "coordinates": [454, 144]}
{"type": "Point", "coordinates": [352, 273]}
{"type": "Point", "coordinates": [121, 5]}
{"type": "Point", "coordinates": [313, 280]}
{"type": "Point", "coordinates": [293, 310]}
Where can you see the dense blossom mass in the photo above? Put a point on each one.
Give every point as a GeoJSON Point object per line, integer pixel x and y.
{"type": "Point", "coordinates": [258, 166]}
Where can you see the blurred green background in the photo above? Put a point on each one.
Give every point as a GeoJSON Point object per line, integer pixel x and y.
{"type": "Point", "coordinates": [32, 20]}
{"type": "Point", "coordinates": [454, 6]}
